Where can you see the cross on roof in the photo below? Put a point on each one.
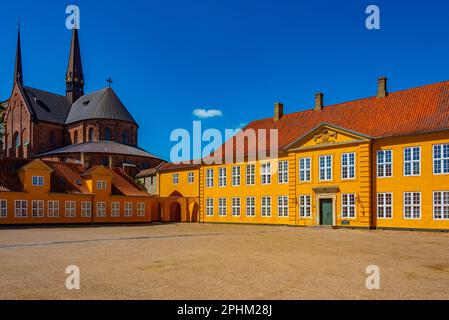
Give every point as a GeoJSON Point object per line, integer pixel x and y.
{"type": "Point", "coordinates": [109, 81]}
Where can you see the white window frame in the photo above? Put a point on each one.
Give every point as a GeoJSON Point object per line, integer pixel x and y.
{"type": "Point", "coordinates": [222, 207]}
{"type": "Point", "coordinates": [210, 207]}
{"type": "Point", "coordinates": [21, 211]}
{"type": "Point", "coordinates": [70, 209]}
{"type": "Point", "coordinates": [209, 178]}
{"type": "Point", "coordinates": [350, 168]}
{"type": "Point", "coordinates": [102, 185]}
{"type": "Point", "coordinates": [3, 208]}
{"type": "Point", "coordinates": [86, 209]}
{"type": "Point", "coordinates": [53, 209]}
{"type": "Point", "coordinates": [443, 206]}
{"type": "Point", "coordinates": [236, 207]}
{"type": "Point", "coordinates": [346, 206]}
{"type": "Point", "coordinates": [384, 164]}
{"type": "Point", "coordinates": [413, 206]}
{"type": "Point", "coordinates": [101, 209]}
{"type": "Point", "coordinates": [283, 172]}
{"type": "Point", "coordinates": [413, 163]}
{"type": "Point", "coordinates": [251, 175]}
{"type": "Point", "coordinates": [441, 160]}
{"type": "Point", "coordinates": [38, 181]}
{"type": "Point", "coordinates": [128, 209]}
{"type": "Point", "coordinates": [175, 178]}
{"type": "Point", "coordinates": [305, 169]}
{"type": "Point", "coordinates": [37, 208]}
{"type": "Point", "coordinates": [115, 209]}
{"type": "Point", "coordinates": [305, 206]}
{"type": "Point", "coordinates": [265, 173]}
{"type": "Point", "coordinates": [251, 207]}
{"type": "Point", "coordinates": [327, 168]}
{"type": "Point", "coordinates": [222, 177]}
{"type": "Point", "coordinates": [283, 207]}
{"type": "Point", "coordinates": [141, 209]}
{"type": "Point", "coordinates": [266, 207]}
{"type": "Point", "coordinates": [191, 178]}
{"type": "Point", "coordinates": [383, 206]}
{"type": "Point", "coordinates": [236, 176]}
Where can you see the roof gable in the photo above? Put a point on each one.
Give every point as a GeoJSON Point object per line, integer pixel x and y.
{"type": "Point", "coordinates": [36, 165]}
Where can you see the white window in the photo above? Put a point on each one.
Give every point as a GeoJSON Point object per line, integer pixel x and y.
{"type": "Point", "coordinates": [250, 206]}
{"type": "Point", "coordinates": [348, 166]}
{"type": "Point", "coordinates": [128, 209]}
{"type": "Point", "coordinates": [441, 205]}
{"type": "Point", "coordinates": [236, 176]}
{"type": "Point", "coordinates": [384, 163]}
{"type": "Point", "coordinates": [53, 209]}
{"type": "Point", "coordinates": [209, 178]}
{"type": "Point", "coordinates": [305, 206]}
{"type": "Point", "coordinates": [21, 208]}
{"type": "Point", "coordinates": [412, 161]}
{"type": "Point", "coordinates": [3, 209]}
{"type": "Point", "coordinates": [266, 173]}
{"type": "Point", "coordinates": [348, 206]}
{"type": "Point", "coordinates": [325, 168]}
{"type": "Point", "coordinates": [222, 177]}
{"type": "Point", "coordinates": [384, 205]}
{"type": "Point", "coordinates": [236, 211]}
{"type": "Point", "coordinates": [191, 178]}
{"type": "Point", "coordinates": [86, 209]}
{"type": "Point", "coordinates": [101, 185]}
{"type": "Point", "coordinates": [305, 173]}
{"type": "Point", "coordinates": [250, 175]}
{"type": "Point", "coordinates": [266, 206]}
{"type": "Point", "coordinates": [38, 181]}
{"type": "Point", "coordinates": [283, 206]}
{"type": "Point", "coordinates": [70, 209]}
{"type": "Point", "coordinates": [210, 207]}
{"type": "Point", "coordinates": [37, 209]}
{"type": "Point", "coordinates": [412, 205]}
{"type": "Point", "coordinates": [283, 172]}
{"type": "Point", "coordinates": [175, 178]}
{"type": "Point", "coordinates": [141, 209]}
{"type": "Point", "coordinates": [222, 210]}
{"type": "Point", "coordinates": [101, 209]}
{"type": "Point", "coordinates": [441, 159]}
{"type": "Point", "coordinates": [115, 209]}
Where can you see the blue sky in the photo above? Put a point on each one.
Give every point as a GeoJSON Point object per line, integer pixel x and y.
{"type": "Point", "coordinates": [168, 58]}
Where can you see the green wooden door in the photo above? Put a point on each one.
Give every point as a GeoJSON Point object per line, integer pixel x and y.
{"type": "Point", "coordinates": [326, 212]}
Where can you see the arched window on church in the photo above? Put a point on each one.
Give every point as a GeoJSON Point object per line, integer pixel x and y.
{"type": "Point", "coordinates": [16, 140]}
{"type": "Point", "coordinates": [125, 137]}
{"type": "Point", "coordinates": [52, 139]}
{"type": "Point", "coordinates": [75, 137]}
{"type": "Point", "coordinates": [107, 134]}
{"type": "Point", "coordinates": [91, 134]}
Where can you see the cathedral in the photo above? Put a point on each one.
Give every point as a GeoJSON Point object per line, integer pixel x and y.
{"type": "Point", "coordinates": [88, 129]}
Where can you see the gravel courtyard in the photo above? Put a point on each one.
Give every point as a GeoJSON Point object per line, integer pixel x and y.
{"type": "Point", "coordinates": [193, 261]}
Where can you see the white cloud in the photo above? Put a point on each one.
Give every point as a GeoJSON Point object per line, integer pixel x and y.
{"type": "Point", "coordinates": [203, 113]}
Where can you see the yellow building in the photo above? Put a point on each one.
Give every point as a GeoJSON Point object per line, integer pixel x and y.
{"type": "Point", "coordinates": [379, 162]}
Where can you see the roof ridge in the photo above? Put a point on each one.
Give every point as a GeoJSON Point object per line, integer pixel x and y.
{"type": "Point", "coordinates": [45, 91]}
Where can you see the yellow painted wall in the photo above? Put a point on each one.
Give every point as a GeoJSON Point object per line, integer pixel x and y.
{"type": "Point", "coordinates": [186, 189]}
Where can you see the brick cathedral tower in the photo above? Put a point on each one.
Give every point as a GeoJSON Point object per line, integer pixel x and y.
{"type": "Point", "coordinates": [75, 75]}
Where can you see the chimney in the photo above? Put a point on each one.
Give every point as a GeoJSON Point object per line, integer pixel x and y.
{"type": "Point", "coordinates": [382, 87]}
{"type": "Point", "coordinates": [319, 98]}
{"type": "Point", "coordinates": [278, 111]}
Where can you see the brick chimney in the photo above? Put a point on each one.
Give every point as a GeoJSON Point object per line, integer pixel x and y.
{"type": "Point", "coordinates": [382, 91]}
{"type": "Point", "coordinates": [319, 104]}
{"type": "Point", "coordinates": [278, 111]}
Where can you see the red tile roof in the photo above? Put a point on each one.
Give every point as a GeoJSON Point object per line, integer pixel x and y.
{"type": "Point", "coordinates": [419, 110]}
{"type": "Point", "coordinates": [122, 184]}
{"type": "Point", "coordinates": [9, 179]}
{"type": "Point", "coordinates": [180, 166]}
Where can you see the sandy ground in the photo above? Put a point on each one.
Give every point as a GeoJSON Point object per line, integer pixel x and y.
{"type": "Point", "coordinates": [182, 261]}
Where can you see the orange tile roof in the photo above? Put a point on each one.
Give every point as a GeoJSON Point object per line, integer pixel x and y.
{"type": "Point", "coordinates": [413, 111]}
{"type": "Point", "coordinates": [122, 184]}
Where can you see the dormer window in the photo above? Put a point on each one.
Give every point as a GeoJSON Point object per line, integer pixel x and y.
{"type": "Point", "coordinates": [101, 185]}
{"type": "Point", "coordinates": [38, 181]}
{"type": "Point", "coordinates": [86, 103]}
